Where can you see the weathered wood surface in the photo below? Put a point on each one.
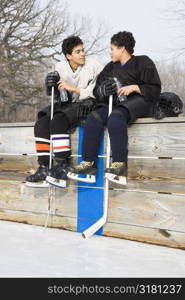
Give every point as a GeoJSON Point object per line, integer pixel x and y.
{"type": "Point", "coordinates": [158, 175]}
{"type": "Point", "coordinates": [150, 138]}
{"type": "Point", "coordinates": [145, 234]}
{"type": "Point", "coordinates": [150, 208]}
{"type": "Point", "coordinates": [16, 195]}
{"type": "Point", "coordinates": [140, 208]}
{"type": "Point", "coordinates": [148, 217]}
{"type": "Point", "coordinates": [55, 221]}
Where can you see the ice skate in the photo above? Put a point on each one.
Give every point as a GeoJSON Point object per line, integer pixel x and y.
{"type": "Point", "coordinates": [85, 172]}
{"type": "Point", "coordinates": [117, 173]}
{"type": "Point", "coordinates": [58, 174]}
{"type": "Point", "coordinates": [38, 179]}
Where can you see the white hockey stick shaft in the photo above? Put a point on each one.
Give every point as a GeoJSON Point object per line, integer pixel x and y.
{"type": "Point", "coordinates": [50, 191]}
{"type": "Point", "coordinates": [96, 226]}
{"type": "Point", "coordinates": [51, 117]}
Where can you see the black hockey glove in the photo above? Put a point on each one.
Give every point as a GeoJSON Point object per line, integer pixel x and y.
{"type": "Point", "coordinates": [86, 106]}
{"type": "Point", "coordinates": [52, 78]}
{"type": "Point", "coordinates": [51, 81]}
{"type": "Point", "coordinates": [107, 88]}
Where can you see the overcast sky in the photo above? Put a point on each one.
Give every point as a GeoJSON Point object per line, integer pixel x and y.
{"type": "Point", "coordinates": [155, 33]}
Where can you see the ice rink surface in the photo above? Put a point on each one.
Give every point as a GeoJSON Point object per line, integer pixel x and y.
{"type": "Point", "coordinates": [29, 251]}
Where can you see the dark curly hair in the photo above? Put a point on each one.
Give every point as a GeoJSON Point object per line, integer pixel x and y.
{"type": "Point", "coordinates": [69, 43]}
{"type": "Point", "coordinates": [124, 38]}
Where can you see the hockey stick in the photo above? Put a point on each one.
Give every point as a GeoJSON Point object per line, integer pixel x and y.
{"type": "Point", "coordinates": [96, 226]}
{"type": "Point", "coordinates": [50, 188]}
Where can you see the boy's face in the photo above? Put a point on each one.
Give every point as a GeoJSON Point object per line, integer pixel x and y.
{"type": "Point", "coordinates": [77, 56]}
{"type": "Point", "coordinates": [116, 52]}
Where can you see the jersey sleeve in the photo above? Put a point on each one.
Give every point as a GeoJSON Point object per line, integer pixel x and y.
{"type": "Point", "coordinates": [88, 91]}
{"type": "Point", "coordinates": [104, 75]}
{"type": "Point", "coordinates": [150, 83]}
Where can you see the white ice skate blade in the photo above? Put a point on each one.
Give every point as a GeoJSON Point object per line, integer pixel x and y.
{"type": "Point", "coordinates": [56, 182]}
{"type": "Point", "coordinates": [88, 178]}
{"type": "Point", "coordinates": [42, 184]}
{"type": "Point", "coordinates": [122, 179]}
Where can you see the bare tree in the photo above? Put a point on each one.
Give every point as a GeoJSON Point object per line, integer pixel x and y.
{"type": "Point", "coordinates": [174, 15]}
{"type": "Point", "coordinates": [30, 42]}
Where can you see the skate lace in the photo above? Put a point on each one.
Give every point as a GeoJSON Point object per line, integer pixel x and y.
{"type": "Point", "coordinates": [84, 164]}
{"type": "Point", "coordinates": [116, 164]}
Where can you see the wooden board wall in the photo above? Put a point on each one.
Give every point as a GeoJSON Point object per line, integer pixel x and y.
{"type": "Point", "coordinates": [150, 208]}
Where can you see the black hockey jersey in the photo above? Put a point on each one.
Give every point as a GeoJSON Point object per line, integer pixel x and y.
{"type": "Point", "coordinates": [139, 70]}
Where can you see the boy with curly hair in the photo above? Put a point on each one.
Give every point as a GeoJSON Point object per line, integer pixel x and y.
{"type": "Point", "coordinates": [139, 88]}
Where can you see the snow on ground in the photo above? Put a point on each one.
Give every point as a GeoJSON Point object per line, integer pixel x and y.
{"type": "Point", "coordinates": [29, 251]}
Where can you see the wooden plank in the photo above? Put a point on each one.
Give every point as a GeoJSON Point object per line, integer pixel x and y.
{"type": "Point", "coordinates": [61, 222]}
{"type": "Point", "coordinates": [161, 140]}
{"type": "Point", "coordinates": [18, 124]}
{"type": "Point", "coordinates": [152, 186]}
{"type": "Point", "coordinates": [16, 196]}
{"type": "Point", "coordinates": [18, 163]}
{"type": "Point", "coordinates": [168, 169]}
{"type": "Point", "coordinates": [136, 212]}
{"type": "Point", "coordinates": [132, 185]}
{"type": "Point", "coordinates": [147, 235]}
{"type": "Point", "coordinates": [141, 208]}
{"type": "Point", "coordinates": [145, 139]}
{"type": "Point", "coordinates": [156, 140]}
{"type": "Point", "coordinates": [147, 209]}
{"type": "Point", "coordinates": [17, 140]}
{"type": "Point", "coordinates": [140, 120]}
{"type": "Point", "coordinates": [164, 120]}
{"type": "Point", "coordinates": [156, 169]}
{"type": "Point", "coordinates": [161, 175]}
{"type": "Point", "coordinates": [137, 216]}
